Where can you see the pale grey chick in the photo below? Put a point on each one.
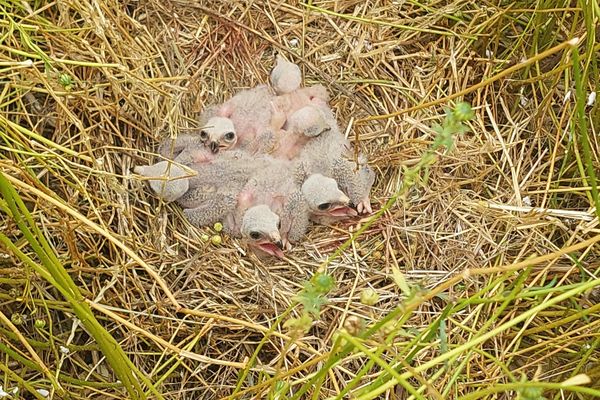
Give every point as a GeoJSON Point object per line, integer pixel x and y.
{"type": "Point", "coordinates": [276, 125]}
{"type": "Point", "coordinates": [275, 187]}
{"type": "Point", "coordinates": [217, 134]}
{"type": "Point", "coordinates": [254, 197]}
{"type": "Point", "coordinates": [282, 214]}
{"type": "Point", "coordinates": [303, 112]}
{"type": "Point", "coordinates": [301, 109]}
{"type": "Point", "coordinates": [330, 154]}
{"type": "Point", "coordinates": [189, 149]}
{"type": "Point", "coordinates": [285, 80]}
{"type": "Point", "coordinates": [251, 112]}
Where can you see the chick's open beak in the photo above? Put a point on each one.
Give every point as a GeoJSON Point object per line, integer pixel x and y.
{"type": "Point", "coordinates": [272, 245]}
{"type": "Point", "coordinates": [342, 210]}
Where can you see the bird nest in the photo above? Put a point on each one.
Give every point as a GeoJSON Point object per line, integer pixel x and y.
{"type": "Point", "coordinates": [476, 255]}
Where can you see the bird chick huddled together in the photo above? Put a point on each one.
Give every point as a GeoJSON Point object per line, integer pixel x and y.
{"type": "Point", "coordinates": [265, 163]}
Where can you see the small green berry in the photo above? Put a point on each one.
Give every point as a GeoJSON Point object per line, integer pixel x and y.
{"type": "Point", "coordinates": [216, 240]}
{"type": "Point", "coordinates": [369, 297]}
{"type": "Point", "coordinates": [303, 323]}
{"type": "Point", "coordinates": [218, 227]}
{"type": "Point", "coordinates": [324, 283]}
{"type": "Point", "coordinates": [532, 393]}
{"type": "Point", "coordinates": [40, 323]}
{"type": "Point", "coordinates": [204, 237]}
{"type": "Point", "coordinates": [463, 111]}
{"type": "Point", "coordinates": [65, 81]}
{"type": "Point", "coordinates": [389, 327]}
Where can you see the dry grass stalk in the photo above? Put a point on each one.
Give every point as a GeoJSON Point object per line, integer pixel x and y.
{"type": "Point", "coordinates": [90, 88]}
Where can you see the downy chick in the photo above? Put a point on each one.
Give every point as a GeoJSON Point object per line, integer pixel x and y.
{"type": "Point", "coordinates": [330, 154]}
{"type": "Point", "coordinates": [251, 112]}
{"type": "Point", "coordinates": [190, 149]}
{"type": "Point", "coordinates": [217, 134]}
{"type": "Point", "coordinates": [260, 229]}
{"type": "Point", "coordinates": [213, 192]}
{"type": "Point", "coordinates": [235, 189]}
{"type": "Point", "coordinates": [276, 125]}
{"type": "Point", "coordinates": [230, 190]}
{"type": "Point", "coordinates": [304, 119]}
{"type": "Point", "coordinates": [300, 109]}
{"type": "Point", "coordinates": [282, 216]}
{"type": "Point", "coordinates": [275, 187]}
{"type": "Point", "coordinates": [286, 79]}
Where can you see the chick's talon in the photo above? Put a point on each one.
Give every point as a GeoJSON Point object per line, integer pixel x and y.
{"type": "Point", "coordinates": [287, 245]}
{"type": "Point", "coordinates": [364, 207]}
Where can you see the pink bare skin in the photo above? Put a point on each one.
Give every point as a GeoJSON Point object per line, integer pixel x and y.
{"type": "Point", "coordinates": [289, 103]}
{"type": "Point", "coordinates": [265, 123]}
{"type": "Point", "coordinates": [251, 113]}
{"type": "Point", "coordinates": [296, 117]}
{"type": "Point", "coordinates": [202, 155]}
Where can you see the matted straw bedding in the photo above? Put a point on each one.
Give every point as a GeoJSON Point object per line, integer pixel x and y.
{"type": "Point", "coordinates": [124, 75]}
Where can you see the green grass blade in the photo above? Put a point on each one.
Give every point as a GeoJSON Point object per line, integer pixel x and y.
{"type": "Point", "coordinates": [55, 273]}
{"type": "Point", "coordinates": [581, 127]}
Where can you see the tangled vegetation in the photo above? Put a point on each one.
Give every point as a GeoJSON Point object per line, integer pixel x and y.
{"type": "Point", "coordinates": [478, 275]}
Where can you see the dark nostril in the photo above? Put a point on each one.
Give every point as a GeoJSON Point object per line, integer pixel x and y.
{"type": "Point", "coordinates": [214, 147]}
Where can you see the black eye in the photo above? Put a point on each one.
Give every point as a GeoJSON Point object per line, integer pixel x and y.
{"type": "Point", "coordinates": [229, 136]}
{"type": "Point", "coordinates": [254, 235]}
{"type": "Point", "coordinates": [324, 206]}
{"type": "Point", "coordinates": [203, 135]}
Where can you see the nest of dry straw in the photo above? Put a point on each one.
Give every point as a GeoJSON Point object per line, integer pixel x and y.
{"type": "Point", "coordinates": [88, 91]}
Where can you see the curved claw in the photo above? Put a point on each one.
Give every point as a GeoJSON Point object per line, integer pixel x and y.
{"type": "Point", "coordinates": [364, 207]}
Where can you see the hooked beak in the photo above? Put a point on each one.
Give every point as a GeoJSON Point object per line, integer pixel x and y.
{"type": "Point", "coordinates": [214, 147]}
{"type": "Point", "coordinates": [345, 200]}
{"type": "Point", "coordinates": [275, 237]}
{"type": "Point", "coordinates": [275, 246]}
